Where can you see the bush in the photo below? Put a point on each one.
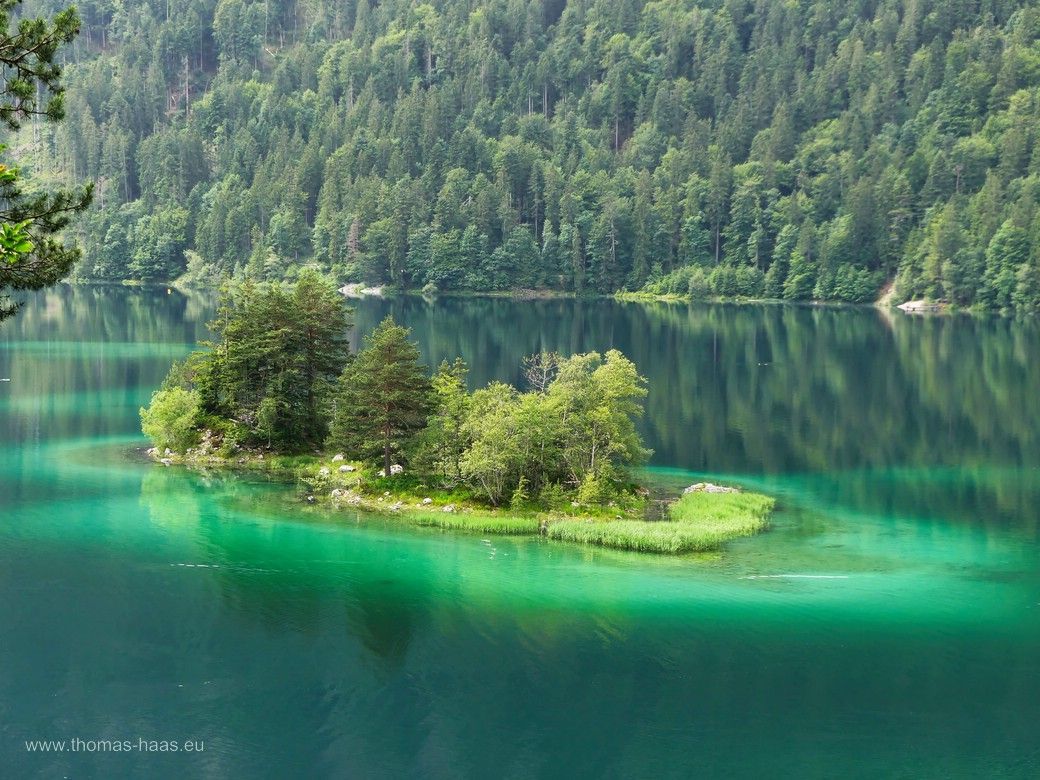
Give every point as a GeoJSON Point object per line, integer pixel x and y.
{"type": "Point", "coordinates": [553, 496]}
{"type": "Point", "coordinates": [854, 285]}
{"type": "Point", "coordinates": [697, 287]}
{"type": "Point", "coordinates": [594, 489]}
{"type": "Point", "coordinates": [750, 281]}
{"type": "Point", "coordinates": [723, 280]}
{"type": "Point", "coordinates": [171, 419]}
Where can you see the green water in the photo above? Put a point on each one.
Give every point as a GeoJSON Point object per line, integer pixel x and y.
{"type": "Point", "coordinates": [887, 626]}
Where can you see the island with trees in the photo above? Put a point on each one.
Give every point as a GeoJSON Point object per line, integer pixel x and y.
{"type": "Point", "coordinates": [279, 390]}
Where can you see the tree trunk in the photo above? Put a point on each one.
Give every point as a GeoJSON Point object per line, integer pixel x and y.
{"type": "Point", "coordinates": [386, 452]}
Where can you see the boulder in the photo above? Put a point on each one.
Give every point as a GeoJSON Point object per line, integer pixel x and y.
{"type": "Point", "coordinates": [323, 471]}
{"type": "Point", "coordinates": [165, 461]}
{"type": "Point", "coordinates": [449, 508]}
{"type": "Point", "coordinates": [337, 457]}
{"type": "Point", "coordinates": [709, 487]}
{"type": "Point", "coordinates": [346, 469]}
{"type": "Point", "coordinates": [395, 469]}
{"type": "Point", "coordinates": [923, 307]}
{"type": "Point", "coordinates": [427, 501]}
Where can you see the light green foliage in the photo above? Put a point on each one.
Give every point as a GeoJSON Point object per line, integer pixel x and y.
{"type": "Point", "coordinates": [599, 398]}
{"type": "Point", "coordinates": [171, 419]}
{"type": "Point", "coordinates": [444, 440]}
{"type": "Point", "coordinates": [15, 241]}
{"type": "Point", "coordinates": [581, 427]}
{"type": "Point", "coordinates": [492, 461]}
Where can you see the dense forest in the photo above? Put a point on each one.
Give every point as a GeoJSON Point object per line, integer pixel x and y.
{"type": "Point", "coordinates": [802, 149]}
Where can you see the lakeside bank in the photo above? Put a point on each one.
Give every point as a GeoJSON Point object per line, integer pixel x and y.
{"type": "Point", "coordinates": [702, 519]}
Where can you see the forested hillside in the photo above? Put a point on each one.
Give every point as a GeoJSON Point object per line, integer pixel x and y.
{"type": "Point", "coordinates": [800, 149]}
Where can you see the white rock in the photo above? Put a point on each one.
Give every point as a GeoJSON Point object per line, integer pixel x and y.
{"type": "Point", "coordinates": [395, 469]}
{"type": "Point", "coordinates": [165, 461]}
{"type": "Point", "coordinates": [708, 487]}
{"type": "Point", "coordinates": [345, 469]}
{"type": "Point", "coordinates": [337, 493]}
{"type": "Point", "coordinates": [427, 500]}
{"type": "Point", "coordinates": [168, 452]}
{"type": "Point", "coordinates": [323, 471]}
{"type": "Point", "coordinates": [449, 508]}
{"type": "Point", "coordinates": [337, 457]}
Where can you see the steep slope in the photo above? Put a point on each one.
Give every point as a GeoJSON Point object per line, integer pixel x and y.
{"type": "Point", "coordinates": [801, 149]}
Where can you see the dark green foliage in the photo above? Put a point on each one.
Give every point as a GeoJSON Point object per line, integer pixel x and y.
{"type": "Point", "coordinates": [30, 255]}
{"type": "Point", "coordinates": [273, 367]}
{"type": "Point", "coordinates": [809, 149]}
{"type": "Point", "coordinates": [383, 398]}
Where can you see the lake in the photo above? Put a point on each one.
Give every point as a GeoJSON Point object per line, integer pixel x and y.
{"type": "Point", "coordinates": [888, 625]}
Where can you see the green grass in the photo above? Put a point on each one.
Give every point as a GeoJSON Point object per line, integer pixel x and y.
{"type": "Point", "coordinates": [722, 510]}
{"type": "Point", "coordinates": [476, 522]}
{"type": "Point", "coordinates": [700, 522]}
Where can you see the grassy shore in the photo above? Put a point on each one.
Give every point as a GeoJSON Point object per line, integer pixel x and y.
{"type": "Point", "coordinates": [698, 521]}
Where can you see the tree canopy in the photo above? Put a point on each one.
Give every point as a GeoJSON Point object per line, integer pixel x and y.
{"type": "Point", "coordinates": [807, 149]}
{"type": "Point", "coordinates": [269, 376]}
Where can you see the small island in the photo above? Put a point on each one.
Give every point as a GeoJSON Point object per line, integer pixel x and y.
{"type": "Point", "coordinates": [278, 390]}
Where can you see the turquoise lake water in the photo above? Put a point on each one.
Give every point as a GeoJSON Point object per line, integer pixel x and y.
{"type": "Point", "coordinates": [888, 625]}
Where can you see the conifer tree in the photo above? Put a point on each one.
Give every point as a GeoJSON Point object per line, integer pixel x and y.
{"type": "Point", "coordinates": [30, 255]}
{"type": "Point", "coordinates": [383, 397]}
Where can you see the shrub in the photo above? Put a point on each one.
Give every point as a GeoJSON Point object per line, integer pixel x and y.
{"type": "Point", "coordinates": [171, 419]}
{"type": "Point", "coordinates": [750, 281]}
{"type": "Point", "coordinates": [723, 280]}
{"type": "Point", "coordinates": [594, 489]}
{"type": "Point", "coordinates": [697, 287]}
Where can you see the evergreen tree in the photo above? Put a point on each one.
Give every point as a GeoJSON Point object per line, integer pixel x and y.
{"type": "Point", "coordinates": [383, 397]}
{"type": "Point", "coordinates": [31, 257]}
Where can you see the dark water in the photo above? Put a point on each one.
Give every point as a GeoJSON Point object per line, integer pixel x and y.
{"type": "Point", "coordinates": [887, 626]}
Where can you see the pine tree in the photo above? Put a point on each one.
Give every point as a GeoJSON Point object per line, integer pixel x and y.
{"type": "Point", "coordinates": [30, 256]}
{"type": "Point", "coordinates": [383, 398]}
